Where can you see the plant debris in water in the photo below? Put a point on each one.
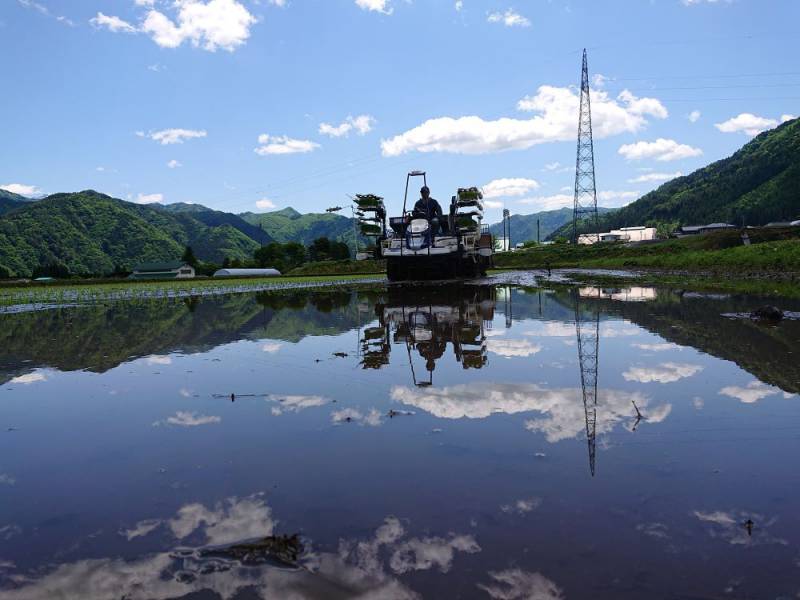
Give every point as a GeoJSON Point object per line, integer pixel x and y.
{"type": "Point", "coordinates": [285, 549]}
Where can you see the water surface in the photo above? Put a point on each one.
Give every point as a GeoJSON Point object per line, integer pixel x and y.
{"type": "Point", "coordinates": [438, 442]}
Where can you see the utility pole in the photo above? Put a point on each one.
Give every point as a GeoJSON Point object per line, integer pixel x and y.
{"type": "Point", "coordinates": [507, 227]}
{"type": "Point", "coordinates": [585, 189]}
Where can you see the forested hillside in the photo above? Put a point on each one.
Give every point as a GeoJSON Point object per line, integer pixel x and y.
{"type": "Point", "coordinates": [523, 227]}
{"type": "Point", "coordinates": [758, 184]}
{"type": "Point", "coordinates": [288, 225]}
{"type": "Point", "coordinates": [92, 233]}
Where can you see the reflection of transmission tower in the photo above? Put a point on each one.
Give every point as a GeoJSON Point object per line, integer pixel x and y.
{"type": "Point", "coordinates": [585, 191]}
{"type": "Point", "coordinates": [588, 330]}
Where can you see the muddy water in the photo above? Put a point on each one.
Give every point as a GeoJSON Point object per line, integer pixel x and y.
{"type": "Point", "coordinates": [489, 441]}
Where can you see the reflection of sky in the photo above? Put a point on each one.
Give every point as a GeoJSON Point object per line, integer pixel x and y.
{"type": "Point", "coordinates": [497, 498]}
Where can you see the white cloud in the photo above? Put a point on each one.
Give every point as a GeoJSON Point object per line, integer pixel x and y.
{"type": "Point", "coordinates": [353, 415]}
{"type": "Point", "coordinates": [362, 124]}
{"type": "Point", "coordinates": [509, 18]}
{"type": "Point", "coordinates": [694, 116]}
{"type": "Point", "coordinates": [663, 373]}
{"type": "Point", "coordinates": [276, 144]}
{"type": "Point", "coordinates": [599, 80]}
{"type": "Point", "coordinates": [750, 124]}
{"type": "Point", "coordinates": [459, 5]}
{"type": "Point", "coordinates": [271, 347]}
{"type": "Point", "coordinates": [522, 506]}
{"type": "Point", "coordinates": [28, 378]}
{"type": "Point", "coordinates": [184, 418]}
{"type": "Point", "coordinates": [278, 3]}
{"type": "Point", "coordinates": [149, 198]}
{"type": "Point", "coordinates": [695, 2]}
{"type": "Point", "coordinates": [265, 204]}
{"type": "Point", "coordinates": [561, 408]}
{"type": "Point", "coordinates": [20, 188]}
{"type": "Point", "coordinates": [553, 166]}
{"type": "Point", "coordinates": [381, 6]}
{"type": "Point", "coordinates": [557, 107]}
{"type": "Point", "coordinates": [42, 9]}
{"type": "Point", "coordinates": [295, 403]}
{"type": "Point", "coordinates": [141, 529]}
{"type": "Point", "coordinates": [516, 584]}
{"type": "Point", "coordinates": [616, 198]}
{"type": "Point", "coordinates": [753, 392]}
{"type": "Point", "coordinates": [654, 177]}
{"type": "Point", "coordinates": [662, 150]}
{"type": "Point", "coordinates": [661, 347]}
{"type": "Point", "coordinates": [174, 164]}
{"type": "Point", "coordinates": [112, 23]}
{"type": "Point", "coordinates": [166, 137]}
{"type": "Point", "coordinates": [227, 522]}
{"type": "Point", "coordinates": [493, 204]}
{"type": "Point", "coordinates": [157, 359]}
{"type": "Point", "coordinates": [209, 25]}
{"type": "Point", "coordinates": [511, 348]}
{"type": "Point", "coordinates": [422, 554]}
{"type": "Point", "coordinates": [514, 186]}
{"type": "Point", "coordinates": [144, 2]}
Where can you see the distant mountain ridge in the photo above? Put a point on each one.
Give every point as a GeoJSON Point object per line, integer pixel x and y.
{"type": "Point", "coordinates": [523, 227]}
{"type": "Point", "coordinates": [288, 225]}
{"type": "Point", "coordinates": [757, 184]}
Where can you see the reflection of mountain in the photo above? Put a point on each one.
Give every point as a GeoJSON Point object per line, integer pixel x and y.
{"type": "Point", "coordinates": [98, 338]}
{"type": "Point", "coordinates": [767, 352]}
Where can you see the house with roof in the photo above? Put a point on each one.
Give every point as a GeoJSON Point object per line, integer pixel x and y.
{"type": "Point", "coordinates": [163, 270]}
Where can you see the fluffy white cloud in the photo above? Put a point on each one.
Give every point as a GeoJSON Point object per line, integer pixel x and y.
{"type": "Point", "coordinates": [184, 418]}
{"type": "Point", "coordinates": [20, 188]}
{"type": "Point", "coordinates": [553, 166]}
{"type": "Point", "coordinates": [149, 198]}
{"type": "Point", "coordinates": [459, 5]}
{"type": "Point", "coordinates": [662, 150]}
{"type": "Point", "coordinates": [166, 137]}
{"type": "Point", "coordinates": [753, 392]}
{"type": "Point", "coordinates": [174, 164]}
{"type": "Point", "coordinates": [282, 144]}
{"type": "Point", "coordinates": [663, 373]}
{"type": "Point", "coordinates": [516, 584]}
{"type": "Point", "coordinates": [295, 403]}
{"type": "Point", "coordinates": [144, 2]}
{"type": "Point", "coordinates": [28, 378]}
{"type": "Point", "coordinates": [522, 506]}
{"type": "Point", "coordinates": [660, 347]}
{"type": "Point", "coordinates": [557, 107]}
{"type": "Point", "coordinates": [158, 359]}
{"type": "Point", "coordinates": [112, 23]}
{"type": "Point", "coordinates": [278, 3]}
{"type": "Point", "coordinates": [353, 415]}
{"type": "Point", "coordinates": [694, 116]}
{"type": "Point", "coordinates": [362, 124]}
{"type": "Point", "coordinates": [493, 204]}
{"type": "Point", "coordinates": [510, 186]}
{"type": "Point", "coordinates": [616, 198]}
{"type": "Point", "coordinates": [381, 6]}
{"type": "Point", "coordinates": [562, 409]}
{"type": "Point", "coordinates": [750, 124]}
{"type": "Point", "coordinates": [209, 25]}
{"type": "Point", "coordinates": [654, 177]}
{"type": "Point", "coordinates": [265, 204]}
{"type": "Point", "coordinates": [509, 18]}
{"type": "Point", "coordinates": [512, 348]}
{"type": "Point", "coordinates": [695, 2]}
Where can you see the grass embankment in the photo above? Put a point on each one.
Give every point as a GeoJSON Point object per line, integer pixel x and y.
{"type": "Point", "coordinates": [69, 291]}
{"type": "Point", "coordinates": [772, 252]}
{"type": "Point", "coordinates": [341, 267]}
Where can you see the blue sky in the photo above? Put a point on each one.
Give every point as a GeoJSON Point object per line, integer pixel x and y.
{"type": "Point", "coordinates": [245, 105]}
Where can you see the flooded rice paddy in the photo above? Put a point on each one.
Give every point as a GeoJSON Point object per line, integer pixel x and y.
{"type": "Point", "coordinates": [475, 441]}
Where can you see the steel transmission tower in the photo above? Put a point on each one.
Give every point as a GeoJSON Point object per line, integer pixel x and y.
{"type": "Point", "coordinates": [587, 326]}
{"type": "Point", "coordinates": [585, 190]}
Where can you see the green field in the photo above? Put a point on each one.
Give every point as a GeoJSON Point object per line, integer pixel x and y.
{"type": "Point", "coordinates": [83, 291]}
{"type": "Point", "coordinates": [775, 251]}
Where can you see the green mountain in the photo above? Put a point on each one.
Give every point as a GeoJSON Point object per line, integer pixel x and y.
{"type": "Point", "coordinates": [758, 184]}
{"type": "Point", "coordinates": [10, 201]}
{"type": "Point", "coordinates": [93, 233]}
{"type": "Point", "coordinates": [216, 218]}
{"type": "Point", "coordinates": [523, 227]}
{"type": "Point", "coordinates": [288, 225]}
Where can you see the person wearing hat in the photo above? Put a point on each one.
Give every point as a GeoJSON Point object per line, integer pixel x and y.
{"type": "Point", "coordinates": [428, 208]}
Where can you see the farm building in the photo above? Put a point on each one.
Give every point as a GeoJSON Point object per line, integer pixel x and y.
{"type": "Point", "coordinates": [624, 234]}
{"type": "Point", "coordinates": [247, 273]}
{"type": "Point", "coordinates": [163, 270]}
